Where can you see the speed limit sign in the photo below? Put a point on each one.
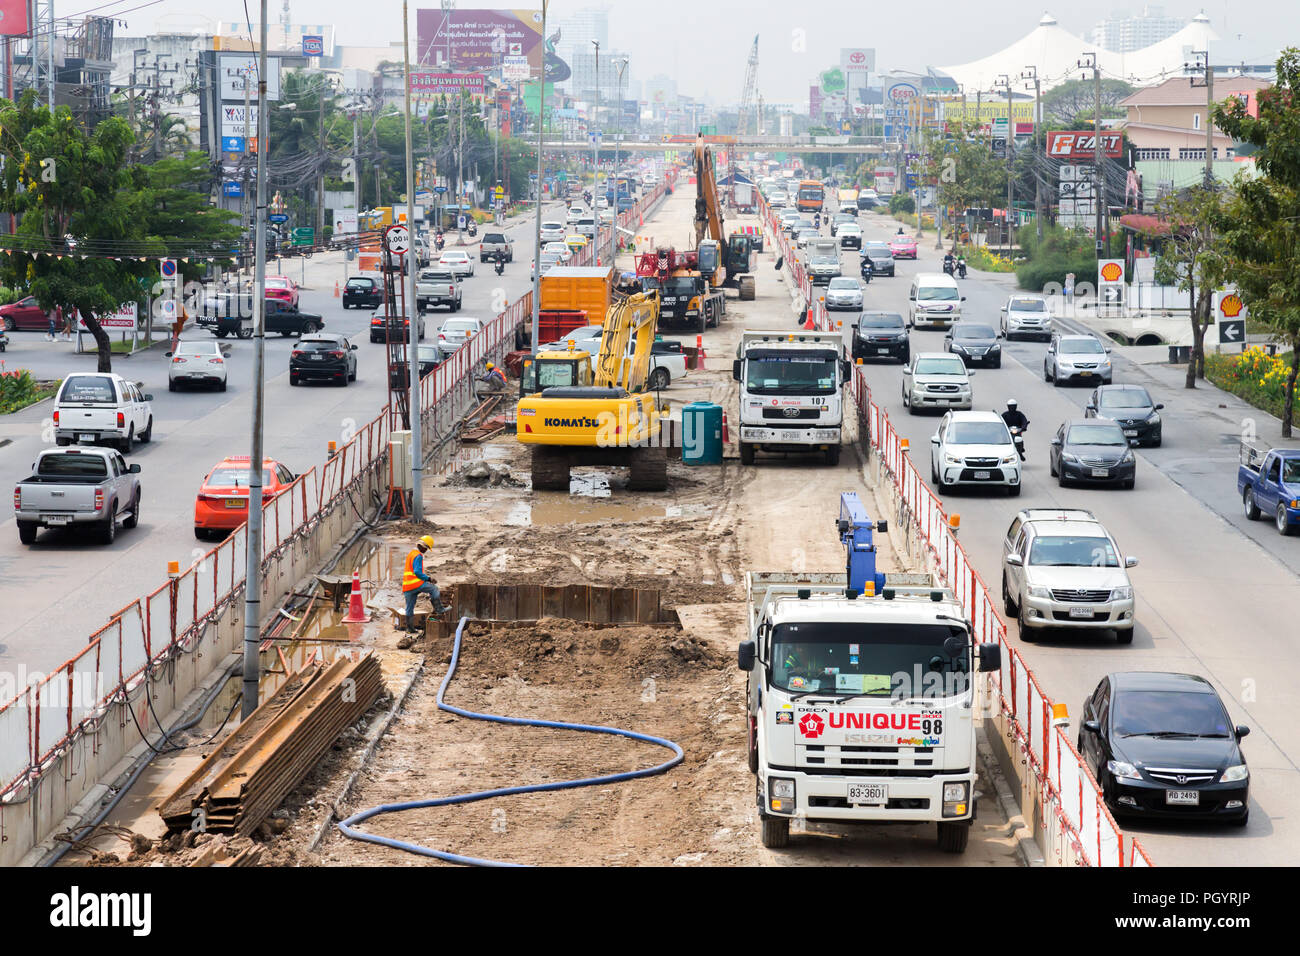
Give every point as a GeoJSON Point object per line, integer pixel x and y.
{"type": "Point", "coordinates": [397, 239]}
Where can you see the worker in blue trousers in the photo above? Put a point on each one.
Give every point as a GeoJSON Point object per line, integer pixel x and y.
{"type": "Point", "coordinates": [415, 581]}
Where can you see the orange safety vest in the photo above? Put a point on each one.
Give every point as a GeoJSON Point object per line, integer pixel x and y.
{"type": "Point", "coordinates": [499, 375]}
{"type": "Point", "coordinates": [410, 580]}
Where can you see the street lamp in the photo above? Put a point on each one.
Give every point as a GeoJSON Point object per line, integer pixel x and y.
{"type": "Point", "coordinates": [618, 135]}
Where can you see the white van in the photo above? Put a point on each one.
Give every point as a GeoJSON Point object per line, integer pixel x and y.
{"type": "Point", "coordinates": [101, 408]}
{"type": "Point", "coordinates": [935, 300]}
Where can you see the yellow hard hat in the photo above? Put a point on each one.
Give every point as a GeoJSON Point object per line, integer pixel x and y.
{"type": "Point", "coordinates": [490, 366]}
{"type": "Point", "coordinates": [427, 540]}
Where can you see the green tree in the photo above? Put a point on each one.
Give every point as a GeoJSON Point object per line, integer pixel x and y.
{"type": "Point", "coordinates": [965, 173]}
{"type": "Point", "coordinates": [1075, 102]}
{"type": "Point", "coordinates": [1264, 228]}
{"type": "Point", "coordinates": [1194, 257]}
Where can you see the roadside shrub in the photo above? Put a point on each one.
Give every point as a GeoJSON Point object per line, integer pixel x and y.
{"type": "Point", "coordinates": [8, 295]}
{"type": "Point", "coordinates": [902, 202]}
{"type": "Point", "coordinates": [1035, 273]}
{"type": "Point", "coordinates": [1253, 375]}
{"type": "Point", "coordinates": [985, 260]}
{"type": "Point", "coordinates": [18, 390]}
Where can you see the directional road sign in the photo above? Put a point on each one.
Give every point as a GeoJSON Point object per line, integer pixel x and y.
{"type": "Point", "coordinates": [303, 236]}
{"type": "Point", "coordinates": [1232, 330]}
{"type": "Point", "coordinates": [278, 217]}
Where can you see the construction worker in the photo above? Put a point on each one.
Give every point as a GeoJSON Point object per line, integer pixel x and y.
{"type": "Point", "coordinates": [416, 582]}
{"type": "Point", "coordinates": [494, 378]}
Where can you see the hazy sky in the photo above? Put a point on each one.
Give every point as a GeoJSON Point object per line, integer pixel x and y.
{"type": "Point", "coordinates": [705, 45]}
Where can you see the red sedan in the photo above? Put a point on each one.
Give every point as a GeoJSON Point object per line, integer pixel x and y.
{"type": "Point", "coordinates": [282, 288]}
{"type": "Point", "coordinates": [903, 247]}
{"type": "Point", "coordinates": [24, 316]}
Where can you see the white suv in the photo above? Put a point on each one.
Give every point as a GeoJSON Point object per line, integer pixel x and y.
{"type": "Point", "coordinates": [1062, 569]}
{"type": "Point", "coordinates": [936, 380]}
{"type": "Point", "coordinates": [102, 408]}
{"type": "Point", "coordinates": [974, 448]}
{"type": "Point", "coordinates": [1026, 315]}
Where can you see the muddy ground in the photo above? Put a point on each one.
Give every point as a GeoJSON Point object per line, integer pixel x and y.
{"type": "Point", "coordinates": [694, 542]}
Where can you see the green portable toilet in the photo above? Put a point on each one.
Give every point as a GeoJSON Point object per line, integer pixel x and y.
{"type": "Point", "coordinates": [701, 434]}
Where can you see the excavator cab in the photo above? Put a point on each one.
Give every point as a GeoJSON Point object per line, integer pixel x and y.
{"type": "Point", "coordinates": [740, 254]}
{"type": "Point", "coordinates": [555, 367]}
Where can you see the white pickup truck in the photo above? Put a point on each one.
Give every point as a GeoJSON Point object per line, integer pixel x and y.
{"type": "Point", "coordinates": [77, 486]}
{"type": "Point", "coordinates": [860, 705]}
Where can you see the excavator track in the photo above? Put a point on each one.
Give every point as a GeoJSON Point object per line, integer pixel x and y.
{"type": "Point", "coordinates": [550, 468]}
{"type": "Point", "coordinates": [648, 469]}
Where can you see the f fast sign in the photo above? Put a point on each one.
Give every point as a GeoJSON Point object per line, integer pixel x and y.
{"type": "Point", "coordinates": [1082, 145]}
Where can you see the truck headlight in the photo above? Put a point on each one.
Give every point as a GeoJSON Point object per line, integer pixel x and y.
{"type": "Point", "coordinates": [1044, 593]}
{"type": "Point", "coordinates": [1122, 594]}
{"type": "Point", "coordinates": [1123, 770]}
{"type": "Point", "coordinates": [1232, 774]}
{"type": "Point", "coordinates": [780, 794]}
{"type": "Point", "coordinates": [954, 799]}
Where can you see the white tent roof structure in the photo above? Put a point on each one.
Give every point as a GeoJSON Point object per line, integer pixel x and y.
{"type": "Point", "coordinates": [1056, 52]}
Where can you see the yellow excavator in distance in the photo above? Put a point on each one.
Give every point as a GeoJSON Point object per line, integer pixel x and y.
{"type": "Point", "coordinates": [605, 417]}
{"type": "Point", "coordinates": [733, 266]}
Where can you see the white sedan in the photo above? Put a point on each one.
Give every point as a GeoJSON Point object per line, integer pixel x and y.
{"type": "Point", "coordinates": [458, 261]}
{"type": "Point", "coordinates": [197, 363]}
{"type": "Point", "coordinates": [560, 249]}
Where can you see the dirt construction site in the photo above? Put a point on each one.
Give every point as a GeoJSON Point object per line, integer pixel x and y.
{"type": "Point", "coordinates": [666, 667]}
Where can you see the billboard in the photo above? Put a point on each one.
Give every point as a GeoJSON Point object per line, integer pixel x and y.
{"type": "Point", "coordinates": [463, 40]}
{"type": "Point", "coordinates": [233, 68]}
{"type": "Point", "coordinates": [1082, 145]}
{"type": "Point", "coordinates": [858, 60]}
{"type": "Point", "coordinates": [515, 68]}
{"type": "Point", "coordinates": [13, 18]}
{"type": "Point", "coordinates": [232, 120]}
{"type": "Point", "coordinates": [442, 84]}
{"type": "Point", "coordinates": [986, 111]}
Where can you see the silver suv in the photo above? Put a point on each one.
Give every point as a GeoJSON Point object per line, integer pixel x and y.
{"type": "Point", "coordinates": [936, 380]}
{"type": "Point", "coordinates": [1073, 358]}
{"type": "Point", "coordinates": [1062, 569]}
{"type": "Point", "coordinates": [1026, 315]}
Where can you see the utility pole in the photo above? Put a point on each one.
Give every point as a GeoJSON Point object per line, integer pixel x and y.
{"type": "Point", "coordinates": [595, 149]}
{"type": "Point", "coordinates": [356, 164]}
{"type": "Point", "coordinates": [1031, 73]}
{"type": "Point", "coordinates": [416, 416]}
{"type": "Point", "coordinates": [618, 135]}
{"type": "Point", "coordinates": [248, 142]}
{"type": "Point", "coordinates": [1089, 61]}
{"type": "Point", "coordinates": [1005, 81]}
{"type": "Point", "coordinates": [320, 174]}
{"type": "Point", "coordinates": [253, 565]}
{"type": "Point", "coordinates": [1203, 67]}
{"type": "Point", "coordinates": [537, 225]}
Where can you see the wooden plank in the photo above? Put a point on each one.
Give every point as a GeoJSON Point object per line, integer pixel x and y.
{"type": "Point", "coordinates": [622, 605]}
{"type": "Point", "coordinates": [529, 604]}
{"type": "Point", "coordinates": [577, 598]}
{"type": "Point", "coordinates": [553, 601]}
{"type": "Point", "coordinates": [507, 602]}
{"type": "Point", "coordinates": [647, 606]}
{"type": "Point", "coordinates": [598, 605]}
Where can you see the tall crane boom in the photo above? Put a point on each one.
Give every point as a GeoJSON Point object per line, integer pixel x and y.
{"type": "Point", "coordinates": [749, 95]}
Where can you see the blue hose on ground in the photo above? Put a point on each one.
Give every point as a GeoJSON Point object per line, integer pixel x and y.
{"type": "Point", "coordinates": [348, 826]}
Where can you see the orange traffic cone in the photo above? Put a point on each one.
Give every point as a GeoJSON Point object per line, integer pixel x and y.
{"type": "Point", "coordinates": [336, 288]}
{"type": "Point", "coordinates": [699, 347]}
{"type": "Point", "coordinates": [809, 325]}
{"type": "Point", "coordinates": [356, 610]}
{"type": "Point", "coordinates": [726, 440]}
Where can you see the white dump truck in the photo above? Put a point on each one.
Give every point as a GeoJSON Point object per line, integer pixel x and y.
{"type": "Point", "coordinates": [861, 699]}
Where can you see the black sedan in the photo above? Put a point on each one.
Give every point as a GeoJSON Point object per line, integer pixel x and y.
{"type": "Point", "coordinates": [881, 259]}
{"type": "Point", "coordinates": [1088, 450]}
{"type": "Point", "coordinates": [398, 328]}
{"type": "Point", "coordinates": [323, 358]}
{"type": "Point", "coordinates": [882, 335]}
{"type": "Point", "coordinates": [362, 293]}
{"type": "Point", "coordinates": [1161, 745]}
{"type": "Point", "coordinates": [1131, 408]}
{"type": "Point", "coordinates": [430, 358]}
{"type": "Point", "coordinates": [975, 343]}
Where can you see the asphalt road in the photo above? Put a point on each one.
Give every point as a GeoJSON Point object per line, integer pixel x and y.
{"type": "Point", "coordinates": [1215, 594]}
{"type": "Point", "coordinates": [65, 586]}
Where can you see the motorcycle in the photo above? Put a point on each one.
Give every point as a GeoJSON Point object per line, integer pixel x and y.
{"type": "Point", "coordinates": [867, 271]}
{"type": "Point", "coordinates": [439, 241]}
{"type": "Point", "coordinates": [817, 222]}
{"type": "Point", "coordinates": [472, 228]}
{"type": "Point", "coordinates": [949, 265]}
{"type": "Point", "coordinates": [961, 268]}
{"type": "Point", "coordinates": [500, 264]}
{"type": "Point", "coordinates": [1018, 436]}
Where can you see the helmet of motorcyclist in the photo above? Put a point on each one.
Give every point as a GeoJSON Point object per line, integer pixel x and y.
{"type": "Point", "coordinates": [1011, 404]}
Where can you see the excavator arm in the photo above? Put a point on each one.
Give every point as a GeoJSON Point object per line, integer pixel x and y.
{"type": "Point", "coordinates": [632, 320]}
{"type": "Point", "coordinates": [708, 210]}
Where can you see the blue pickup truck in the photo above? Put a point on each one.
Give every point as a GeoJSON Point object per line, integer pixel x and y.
{"type": "Point", "coordinates": [1269, 483]}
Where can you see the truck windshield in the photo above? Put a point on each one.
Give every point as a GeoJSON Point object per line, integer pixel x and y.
{"type": "Point", "coordinates": [795, 375]}
{"type": "Point", "coordinates": [1071, 551]}
{"type": "Point", "coordinates": [678, 285]}
{"type": "Point", "coordinates": [1291, 470]}
{"type": "Point", "coordinates": [876, 660]}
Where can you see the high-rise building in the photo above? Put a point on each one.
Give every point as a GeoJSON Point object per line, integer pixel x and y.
{"type": "Point", "coordinates": [1121, 33]}
{"type": "Point", "coordinates": [576, 33]}
{"type": "Point", "coordinates": [584, 82]}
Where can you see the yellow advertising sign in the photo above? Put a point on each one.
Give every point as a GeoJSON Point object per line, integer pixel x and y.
{"type": "Point", "coordinates": [986, 110]}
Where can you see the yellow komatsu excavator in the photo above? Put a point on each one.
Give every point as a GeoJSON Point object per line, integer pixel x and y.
{"type": "Point", "coordinates": [733, 266]}
{"type": "Point", "coordinates": [605, 417]}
